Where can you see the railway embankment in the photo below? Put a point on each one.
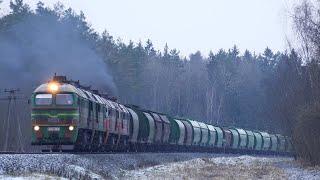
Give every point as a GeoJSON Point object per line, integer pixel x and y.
{"type": "Point", "coordinates": [152, 166]}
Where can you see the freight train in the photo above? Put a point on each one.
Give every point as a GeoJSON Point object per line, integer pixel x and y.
{"type": "Point", "coordinates": [68, 116]}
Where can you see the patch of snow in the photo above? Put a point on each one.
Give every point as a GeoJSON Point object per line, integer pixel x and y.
{"type": "Point", "coordinates": [84, 172]}
{"type": "Point", "coordinates": [34, 176]}
{"type": "Point", "coordinates": [247, 160]}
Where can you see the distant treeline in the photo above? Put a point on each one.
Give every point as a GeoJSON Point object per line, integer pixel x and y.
{"type": "Point", "coordinates": [256, 91]}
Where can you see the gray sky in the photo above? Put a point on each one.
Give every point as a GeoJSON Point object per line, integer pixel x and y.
{"type": "Point", "coordinates": [189, 25]}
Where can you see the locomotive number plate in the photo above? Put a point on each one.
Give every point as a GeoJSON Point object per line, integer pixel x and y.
{"type": "Point", "coordinates": [53, 129]}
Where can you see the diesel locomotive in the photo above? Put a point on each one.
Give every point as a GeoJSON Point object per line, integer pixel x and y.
{"type": "Point", "coordinates": [68, 116]}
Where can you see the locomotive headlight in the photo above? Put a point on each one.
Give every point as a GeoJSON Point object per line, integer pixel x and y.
{"type": "Point", "coordinates": [53, 87]}
{"type": "Point", "coordinates": [36, 128]}
{"type": "Point", "coordinates": [71, 128]}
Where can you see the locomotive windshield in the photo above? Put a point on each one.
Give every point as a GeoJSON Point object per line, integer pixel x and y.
{"type": "Point", "coordinates": [43, 99]}
{"type": "Point", "coordinates": [64, 99]}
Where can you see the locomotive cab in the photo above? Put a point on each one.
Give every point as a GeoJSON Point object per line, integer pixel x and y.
{"type": "Point", "coordinates": [55, 114]}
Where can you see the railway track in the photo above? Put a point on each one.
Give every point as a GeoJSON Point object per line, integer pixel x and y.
{"type": "Point", "coordinates": [130, 152]}
{"type": "Point", "coordinates": [64, 152]}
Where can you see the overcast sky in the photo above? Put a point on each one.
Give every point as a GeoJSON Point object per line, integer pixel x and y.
{"type": "Point", "coordinates": [189, 25]}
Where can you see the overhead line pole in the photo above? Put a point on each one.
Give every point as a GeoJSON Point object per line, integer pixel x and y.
{"type": "Point", "coordinates": [11, 98]}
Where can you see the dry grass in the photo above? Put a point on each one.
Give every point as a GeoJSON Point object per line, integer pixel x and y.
{"type": "Point", "coordinates": [205, 168]}
{"type": "Point", "coordinates": [213, 171]}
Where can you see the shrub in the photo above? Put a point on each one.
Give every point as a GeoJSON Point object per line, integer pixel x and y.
{"type": "Point", "coordinates": [307, 134]}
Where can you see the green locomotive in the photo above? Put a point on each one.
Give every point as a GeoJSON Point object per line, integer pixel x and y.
{"type": "Point", "coordinates": [66, 116]}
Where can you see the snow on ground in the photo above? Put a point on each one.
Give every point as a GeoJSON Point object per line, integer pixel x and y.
{"type": "Point", "coordinates": [228, 167]}
{"type": "Point", "coordinates": [296, 170]}
{"type": "Point", "coordinates": [89, 166]}
{"type": "Point", "coordinates": [241, 167]}
{"type": "Point", "coordinates": [152, 166]}
{"type": "Point", "coordinates": [32, 176]}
